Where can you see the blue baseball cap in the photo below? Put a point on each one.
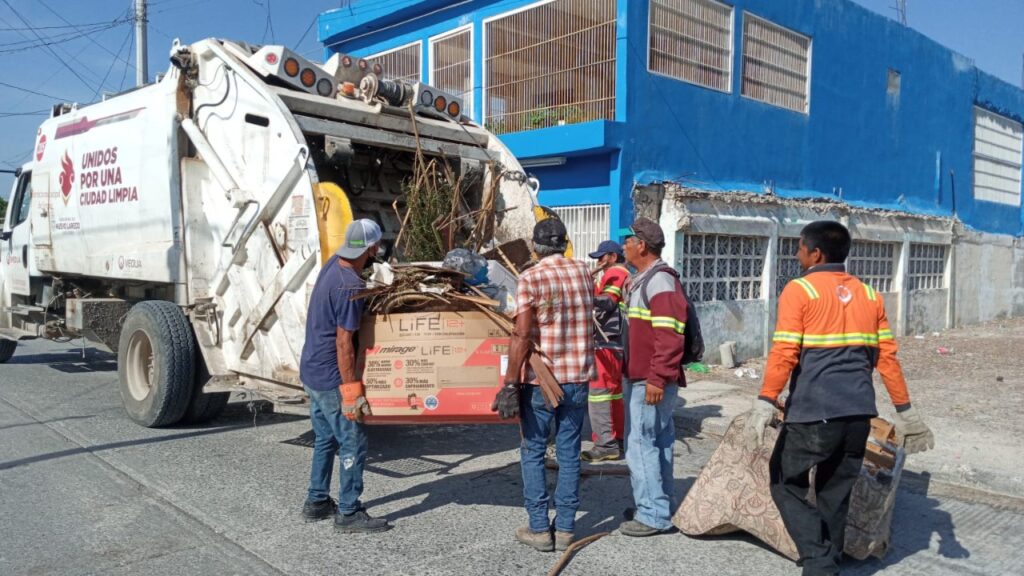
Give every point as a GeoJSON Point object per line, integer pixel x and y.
{"type": "Point", "coordinates": [359, 236]}
{"type": "Point", "coordinates": [606, 247]}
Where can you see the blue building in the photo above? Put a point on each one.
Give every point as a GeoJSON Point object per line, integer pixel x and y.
{"type": "Point", "coordinates": [722, 118]}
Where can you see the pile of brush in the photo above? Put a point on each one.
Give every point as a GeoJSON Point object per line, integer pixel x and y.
{"type": "Point", "coordinates": [421, 288]}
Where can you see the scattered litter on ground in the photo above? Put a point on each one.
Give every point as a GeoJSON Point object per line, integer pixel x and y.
{"type": "Point", "coordinates": [943, 351]}
{"type": "Point", "coordinates": [698, 368]}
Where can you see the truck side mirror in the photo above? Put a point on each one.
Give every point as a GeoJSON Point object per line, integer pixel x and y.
{"type": "Point", "coordinates": [5, 235]}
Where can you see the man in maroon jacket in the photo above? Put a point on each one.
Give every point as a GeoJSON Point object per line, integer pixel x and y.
{"type": "Point", "coordinates": [656, 308]}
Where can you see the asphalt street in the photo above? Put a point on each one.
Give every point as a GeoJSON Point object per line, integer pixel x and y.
{"type": "Point", "coordinates": [83, 490]}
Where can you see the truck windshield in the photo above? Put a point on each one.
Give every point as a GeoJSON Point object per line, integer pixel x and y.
{"type": "Point", "coordinates": [22, 199]}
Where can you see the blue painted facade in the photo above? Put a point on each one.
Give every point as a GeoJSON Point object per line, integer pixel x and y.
{"type": "Point", "coordinates": [911, 151]}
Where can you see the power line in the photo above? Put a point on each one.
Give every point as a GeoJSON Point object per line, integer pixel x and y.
{"type": "Point", "coordinates": [113, 63]}
{"type": "Point", "coordinates": [60, 36]}
{"type": "Point", "coordinates": [268, 26]}
{"type": "Point", "coordinates": [43, 94]}
{"type": "Point", "coordinates": [30, 113]}
{"type": "Point", "coordinates": [123, 20]}
{"type": "Point", "coordinates": [304, 34]}
{"type": "Point", "coordinates": [57, 27]}
{"type": "Point", "coordinates": [48, 48]}
{"type": "Point", "coordinates": [67, 56]}
{"type": "Point", "coordinates": [52, 41]}
{"type": "Point", "coordinates": [124, 73]}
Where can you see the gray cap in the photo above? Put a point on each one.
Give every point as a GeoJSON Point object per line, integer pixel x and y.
{"type": "Point", "coordinates": [359, 236]}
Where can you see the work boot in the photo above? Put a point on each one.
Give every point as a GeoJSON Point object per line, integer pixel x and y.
{"type": "Point", "coordinates": [537, 540]}
{"type": "Point", "coordinates": [638, 529]}
{"type": "Point", "coordinates": [321, 510]}
{"type": "Point", "coordinates": [562, 540]}
{"type": "Point", "coordinates": [600, 454]}
{"type": "Point", "coordinates": [360, 522]}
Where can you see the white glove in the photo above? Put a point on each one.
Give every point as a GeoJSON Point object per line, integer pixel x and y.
{"type": "Point", "coordinates": [762, 412]}
{"type": "Point", "coordinates": [912, 432]}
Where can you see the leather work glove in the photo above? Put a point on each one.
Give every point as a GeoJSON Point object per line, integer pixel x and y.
{"type": "Point", "coordinates": [913, 432]}
{"type": "Point", "coordinates": [506, 401]}
{"type": "Point", "coordinates": [762, 412]}
{"type": "Point", "coordinates": [353, 401]}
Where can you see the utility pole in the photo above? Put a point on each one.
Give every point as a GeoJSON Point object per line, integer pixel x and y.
{"type": "Point", "coordinates": [141, 54]}
{"type": "Point", "coordinates": [901, 10]}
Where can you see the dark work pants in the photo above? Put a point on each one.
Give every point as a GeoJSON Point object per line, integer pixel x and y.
{"type": "Point", "coordinates": [836, 448]}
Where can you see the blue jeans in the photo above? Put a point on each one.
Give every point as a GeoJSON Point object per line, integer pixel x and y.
{"type": "Point", "coordinates": [335, 436]}
{"type": "Point", "coordinates": [650, 434]}
{"type": "Point", "coordinates": [536, 420]}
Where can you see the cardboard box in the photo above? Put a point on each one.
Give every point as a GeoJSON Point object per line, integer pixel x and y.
{"type": "Point", "coordinates": [432, 367]}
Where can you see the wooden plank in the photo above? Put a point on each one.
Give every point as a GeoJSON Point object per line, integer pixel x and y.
{"type": "Point", "coordinates": [385, 139]}
{"type": "Point", "coordinates": [358, 112]}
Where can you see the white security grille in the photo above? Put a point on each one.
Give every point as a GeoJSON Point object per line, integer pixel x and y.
{"type": "Point", "coordinates": [691, 40]}
{"type": "Point", "coordinates": [452, 66]}
{"type": "Point", "coordinates": [927, 266]}
{"type": "Point", "coordinates": [997, 158]}
{"type": "Point", "coordinates": [776, 64]}
{"type": "Point", "coordinates": [588, 225]}
{"type": "Point", "coordinates": [787, 266]}
{"type": "Point", "coordinates": [401, 63]}
{"type": "Point", "coordinates": [550, 64]}
{"type": "Point", "coordinates": [874, 263]}
{"type": "Point", "coordinates": [719, 267]}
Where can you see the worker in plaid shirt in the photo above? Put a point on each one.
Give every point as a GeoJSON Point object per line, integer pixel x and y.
{"type": "Point", "coordinates": [554, 307]}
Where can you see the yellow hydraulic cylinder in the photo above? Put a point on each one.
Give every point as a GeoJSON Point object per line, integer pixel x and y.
{"type": "Point", "coordinates": [333, 215]}
{"type": "Point", "coordinates": [541, 213]}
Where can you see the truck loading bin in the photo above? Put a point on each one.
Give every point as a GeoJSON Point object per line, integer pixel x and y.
{"type": "Point", "coordinates": [204, 204]}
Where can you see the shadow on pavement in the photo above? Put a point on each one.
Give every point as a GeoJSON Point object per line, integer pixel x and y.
{"type": "Point", "coordinates": [235, 417]}
{"type": "Point", "coordinates": [44, 422]}
{"type": "Point", "coordinates": [916, 519]}
{"type": "Point", "coordinates": [71, 361]}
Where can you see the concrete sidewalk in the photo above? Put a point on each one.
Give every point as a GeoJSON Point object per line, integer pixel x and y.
{"type": "Point", "coordinates": [957, 465]}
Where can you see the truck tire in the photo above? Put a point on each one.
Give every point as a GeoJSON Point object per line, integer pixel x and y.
{"type": "Point", "coordinates": [204, 407]}
{"type": "Point", "coordinates": [7, 349]}
{"type": "Point", "coordinates": [156, 363]}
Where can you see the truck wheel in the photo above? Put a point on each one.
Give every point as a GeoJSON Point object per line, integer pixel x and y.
{"type": "Point", "coordinates": [7, 349]}
{"type": "Point", "coordinates": [156, 363]}
{"type": "Point", "coordinates": [204, 407]}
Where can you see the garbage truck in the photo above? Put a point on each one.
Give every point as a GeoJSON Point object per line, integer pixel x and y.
{"type": "Point", "coordinates": [182, 224]}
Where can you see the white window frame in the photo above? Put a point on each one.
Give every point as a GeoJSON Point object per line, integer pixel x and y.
{"type": "Point", "coordinates": [483, 49]}
{"type": "Point", "coordinates": [974, 159]}
{"type": "Point", "coordinates": [732, 50]}
{"type": "Point", "coordinates": [483, 53]}
{"type": "Point", "coordinates": [472, 62]}
{"type": "Point", "coordinates": [419, 49]}
{"type": "Point", "coordinates": [810, 59]}
{"type": "Point", "coordinates": [580, 250]}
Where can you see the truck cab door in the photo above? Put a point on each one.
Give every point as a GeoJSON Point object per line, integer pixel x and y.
{"type": "Point", "coordinates": [15, 239]}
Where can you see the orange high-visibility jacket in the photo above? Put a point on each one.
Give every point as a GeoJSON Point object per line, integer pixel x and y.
{"type": "Point", "coordinates": [831, 334]}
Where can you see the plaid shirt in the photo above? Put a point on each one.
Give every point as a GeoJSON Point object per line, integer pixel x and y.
{"type": "Point", "coordinates": [560, 292]}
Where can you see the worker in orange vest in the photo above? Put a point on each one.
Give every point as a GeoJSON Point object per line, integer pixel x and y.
{"type": "Point", "coordinates": [831, 334]}
{"type": "Point", "coordinates": [605, 401]}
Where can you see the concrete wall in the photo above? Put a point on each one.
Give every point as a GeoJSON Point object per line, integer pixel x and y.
{"type": "Point", "coordinates": [741, 321]}
{"type": "Point", "coordinates": [989, 278]}
{"type": "Point", "coordinates": [927, 311]}
{"type": "Point", "coordinates": [750, 323]}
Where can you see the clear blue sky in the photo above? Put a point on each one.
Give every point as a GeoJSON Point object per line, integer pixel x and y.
{"type": "Point", "coordinates": [989, 31]}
